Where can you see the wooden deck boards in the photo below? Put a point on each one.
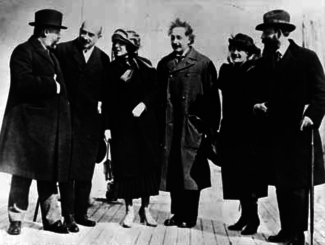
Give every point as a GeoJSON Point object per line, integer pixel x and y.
{"type": "Point", "coordinates": [214, 216]}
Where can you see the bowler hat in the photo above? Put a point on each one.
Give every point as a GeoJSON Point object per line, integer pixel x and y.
{"type": "Point", "coordinates": [244, 42]}
{"type": "Point", "coordinates": [275, 18]}
{"type": "Point", "coordinates": [128, 37]}
{"type": "Point", "coordinates": [48, 17]}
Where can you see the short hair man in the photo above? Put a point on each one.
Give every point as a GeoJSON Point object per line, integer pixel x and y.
{"type": "Point", "coordinates": [84, 68]}
{"type": "Point", "coordinates": [186, 77]}
{"type": "Point", "coordinates": [36, 134]}
{"type": "Point", "coordinates": [295, 103]}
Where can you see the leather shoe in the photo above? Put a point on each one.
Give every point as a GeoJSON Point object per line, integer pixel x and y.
{"type": "Point", "coordinates": [110, 196]}
{"type": "Point", "coordinates": [83, 220]}
{"type": "Point", "coordinates": [70, 223]}
{"type": "Point", "coordinates": [172, 221]}
{"type": "Point", "coordinates": [14, 228]}
{"type": "Point", "coordinates": [187, 224]}
{"type": "Point", "coordinates": [57, 227]}
{"type": "Point", "coordinates": [281, 237]}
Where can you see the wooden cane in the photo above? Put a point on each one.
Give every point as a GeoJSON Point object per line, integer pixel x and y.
{"type": "Point", "coordinates": [36, 210]}
{"type": "Point", "coordinates": [312, 189]}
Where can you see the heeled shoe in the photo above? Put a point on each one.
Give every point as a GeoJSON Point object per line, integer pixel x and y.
{"type": "Point", "coordinates": [129, 217]}
{"type": "Point", "coordinates": [239, 225]}
{"type": "Point", "coordinates": [146, 218]}
{"type": "Point", "coordinates": [251, 227]}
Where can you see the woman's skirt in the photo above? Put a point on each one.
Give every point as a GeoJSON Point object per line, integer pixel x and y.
{"type": "Point", "coordinates": [137, 186]}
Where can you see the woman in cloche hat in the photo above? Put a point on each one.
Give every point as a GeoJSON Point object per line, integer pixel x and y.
{"type": "Point", "coordinates": [131, 112]}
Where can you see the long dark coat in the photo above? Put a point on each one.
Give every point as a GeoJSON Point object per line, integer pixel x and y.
{"type": "Point", "coordinates": [135, 146]}
{"type": "Point", "coordinates": [36, 133]}
{"type": "Point", "coordinates": [184, 93]}
{"type": "Point", "coordinates": [242, 170]}
{"type": "Point", "coordinates": [296, 89]}
{"type": "Point", "coordinates": [85, 82]}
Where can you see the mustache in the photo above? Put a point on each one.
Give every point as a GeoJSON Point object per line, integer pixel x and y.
{"type": "Point", "coordinates": [84, 40]}
{"type": "Point", "coordinates": [176, 45]}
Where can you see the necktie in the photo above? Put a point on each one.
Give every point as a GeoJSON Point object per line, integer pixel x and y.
{"type": "Point", "coordinates": [178, 59]}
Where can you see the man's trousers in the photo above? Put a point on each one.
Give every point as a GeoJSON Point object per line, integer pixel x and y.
{"type": "Point", "coordinates": [75, 197]}
{"type": "Point", "coordinates": [18, 200]}
{"type": "Point", "coordinates": [293, 209]}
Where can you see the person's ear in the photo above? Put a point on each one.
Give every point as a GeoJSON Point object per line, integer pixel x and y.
{"type": "Point", "coordinates": [45, 32]}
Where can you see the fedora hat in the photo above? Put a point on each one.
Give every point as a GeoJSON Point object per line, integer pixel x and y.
{"type": "Point", "coordinates": [244, 42]}
{"type": "Point", "coordinates": [48, 17]}
{"type": "Point", "coordinates": [275, 18]}
{"type": "Point", "coordinates": [128, 37]}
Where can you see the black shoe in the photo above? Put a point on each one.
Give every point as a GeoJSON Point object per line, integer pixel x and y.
{"type": "Point", "coordinates": [281, 237]}
{"type": "Point", "coordinates": [110, 197]}
{"type": "Point", "coordinates": [70, 223]}
{"type": "Point", "coordinates": [239, 225]}
{"type": "Point", "coordinates": [186, 224]}
{"type": "Point", "coordinates": [297, 240]}
{"type": "Point", "coordinates": [173, 221]}
{"type": "Point", "coordinates": [57, 227]}
{"type": "Point", "coordinates": [83, 220]}
{"type": "Point", "coordinates": [251, 227]}
{"type": "Point", "coordinates": [14, 228]}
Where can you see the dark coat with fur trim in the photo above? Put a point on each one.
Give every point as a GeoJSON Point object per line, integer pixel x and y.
{"type": "Point", "coordinates": [36, 133]}
{"type": "Point", "coordinates": [135, 146]}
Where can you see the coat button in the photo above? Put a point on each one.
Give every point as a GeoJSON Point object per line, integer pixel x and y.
{"type": "Point", "coordinates": [170, 76]}
{"type": "Point", "coordinates": [183, 97]}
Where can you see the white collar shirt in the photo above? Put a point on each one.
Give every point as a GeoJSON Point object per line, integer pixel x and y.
{"type": "Point", "coordinates": [87, 53]}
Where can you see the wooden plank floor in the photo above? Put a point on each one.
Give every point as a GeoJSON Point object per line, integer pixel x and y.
{"type": "Point", "coordinates": [214, 216]}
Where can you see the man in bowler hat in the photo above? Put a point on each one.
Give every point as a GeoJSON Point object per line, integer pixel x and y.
{"type": "Point", "coordinates": [84, 67]}
{"type": "Point", "coordinates": [294, 103]}
{"type": "Point", "coordinates": [35, 135]}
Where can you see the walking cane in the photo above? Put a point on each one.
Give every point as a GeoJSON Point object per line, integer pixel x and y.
{"type": "Point", "coordinates": [312, 189]}
{"type": "Point", "coordinates": [36, 210]}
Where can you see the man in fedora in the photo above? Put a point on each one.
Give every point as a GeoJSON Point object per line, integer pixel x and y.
{"type": "Point", "coordinates": [84, 67]}
{"type": "Point", "coordinates": [294, 103]}
{"type": "Point", "coordinates": [36, 134]}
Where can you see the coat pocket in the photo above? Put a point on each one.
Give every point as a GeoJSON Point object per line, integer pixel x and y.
{"type": "Point", "coordinates": [193, 132]}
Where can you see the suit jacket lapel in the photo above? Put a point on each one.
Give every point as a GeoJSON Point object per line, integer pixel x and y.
{"type": "Point", "coordinates": [41, 50]}
{"type": "Point", "coordinates": [187, 62]}
{"type": "Point", "coordinates": [77, 55]}
{"type": "Point", "coordinates": [286, 62]}
{"type": "Point", "coordinates": [93, 59]}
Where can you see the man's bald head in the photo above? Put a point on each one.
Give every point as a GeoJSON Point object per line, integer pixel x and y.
{"type": "Point", "coordinates": [90, 32]}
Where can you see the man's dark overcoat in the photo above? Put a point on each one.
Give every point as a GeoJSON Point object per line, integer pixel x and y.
{"type": "Point", "coordinates": [296, 89]}
{"type": "Point", "coordinates": [36, 132]}
{"type": "Point", "coordinates": [184, 93]}
{"type": "Point", "coordinates": [85, 82]}
{"type": "Point", "coordinates": [242, 169]}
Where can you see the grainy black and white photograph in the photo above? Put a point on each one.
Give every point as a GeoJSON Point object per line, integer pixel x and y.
{"type": "Point", "coordinates": [162, 122]}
